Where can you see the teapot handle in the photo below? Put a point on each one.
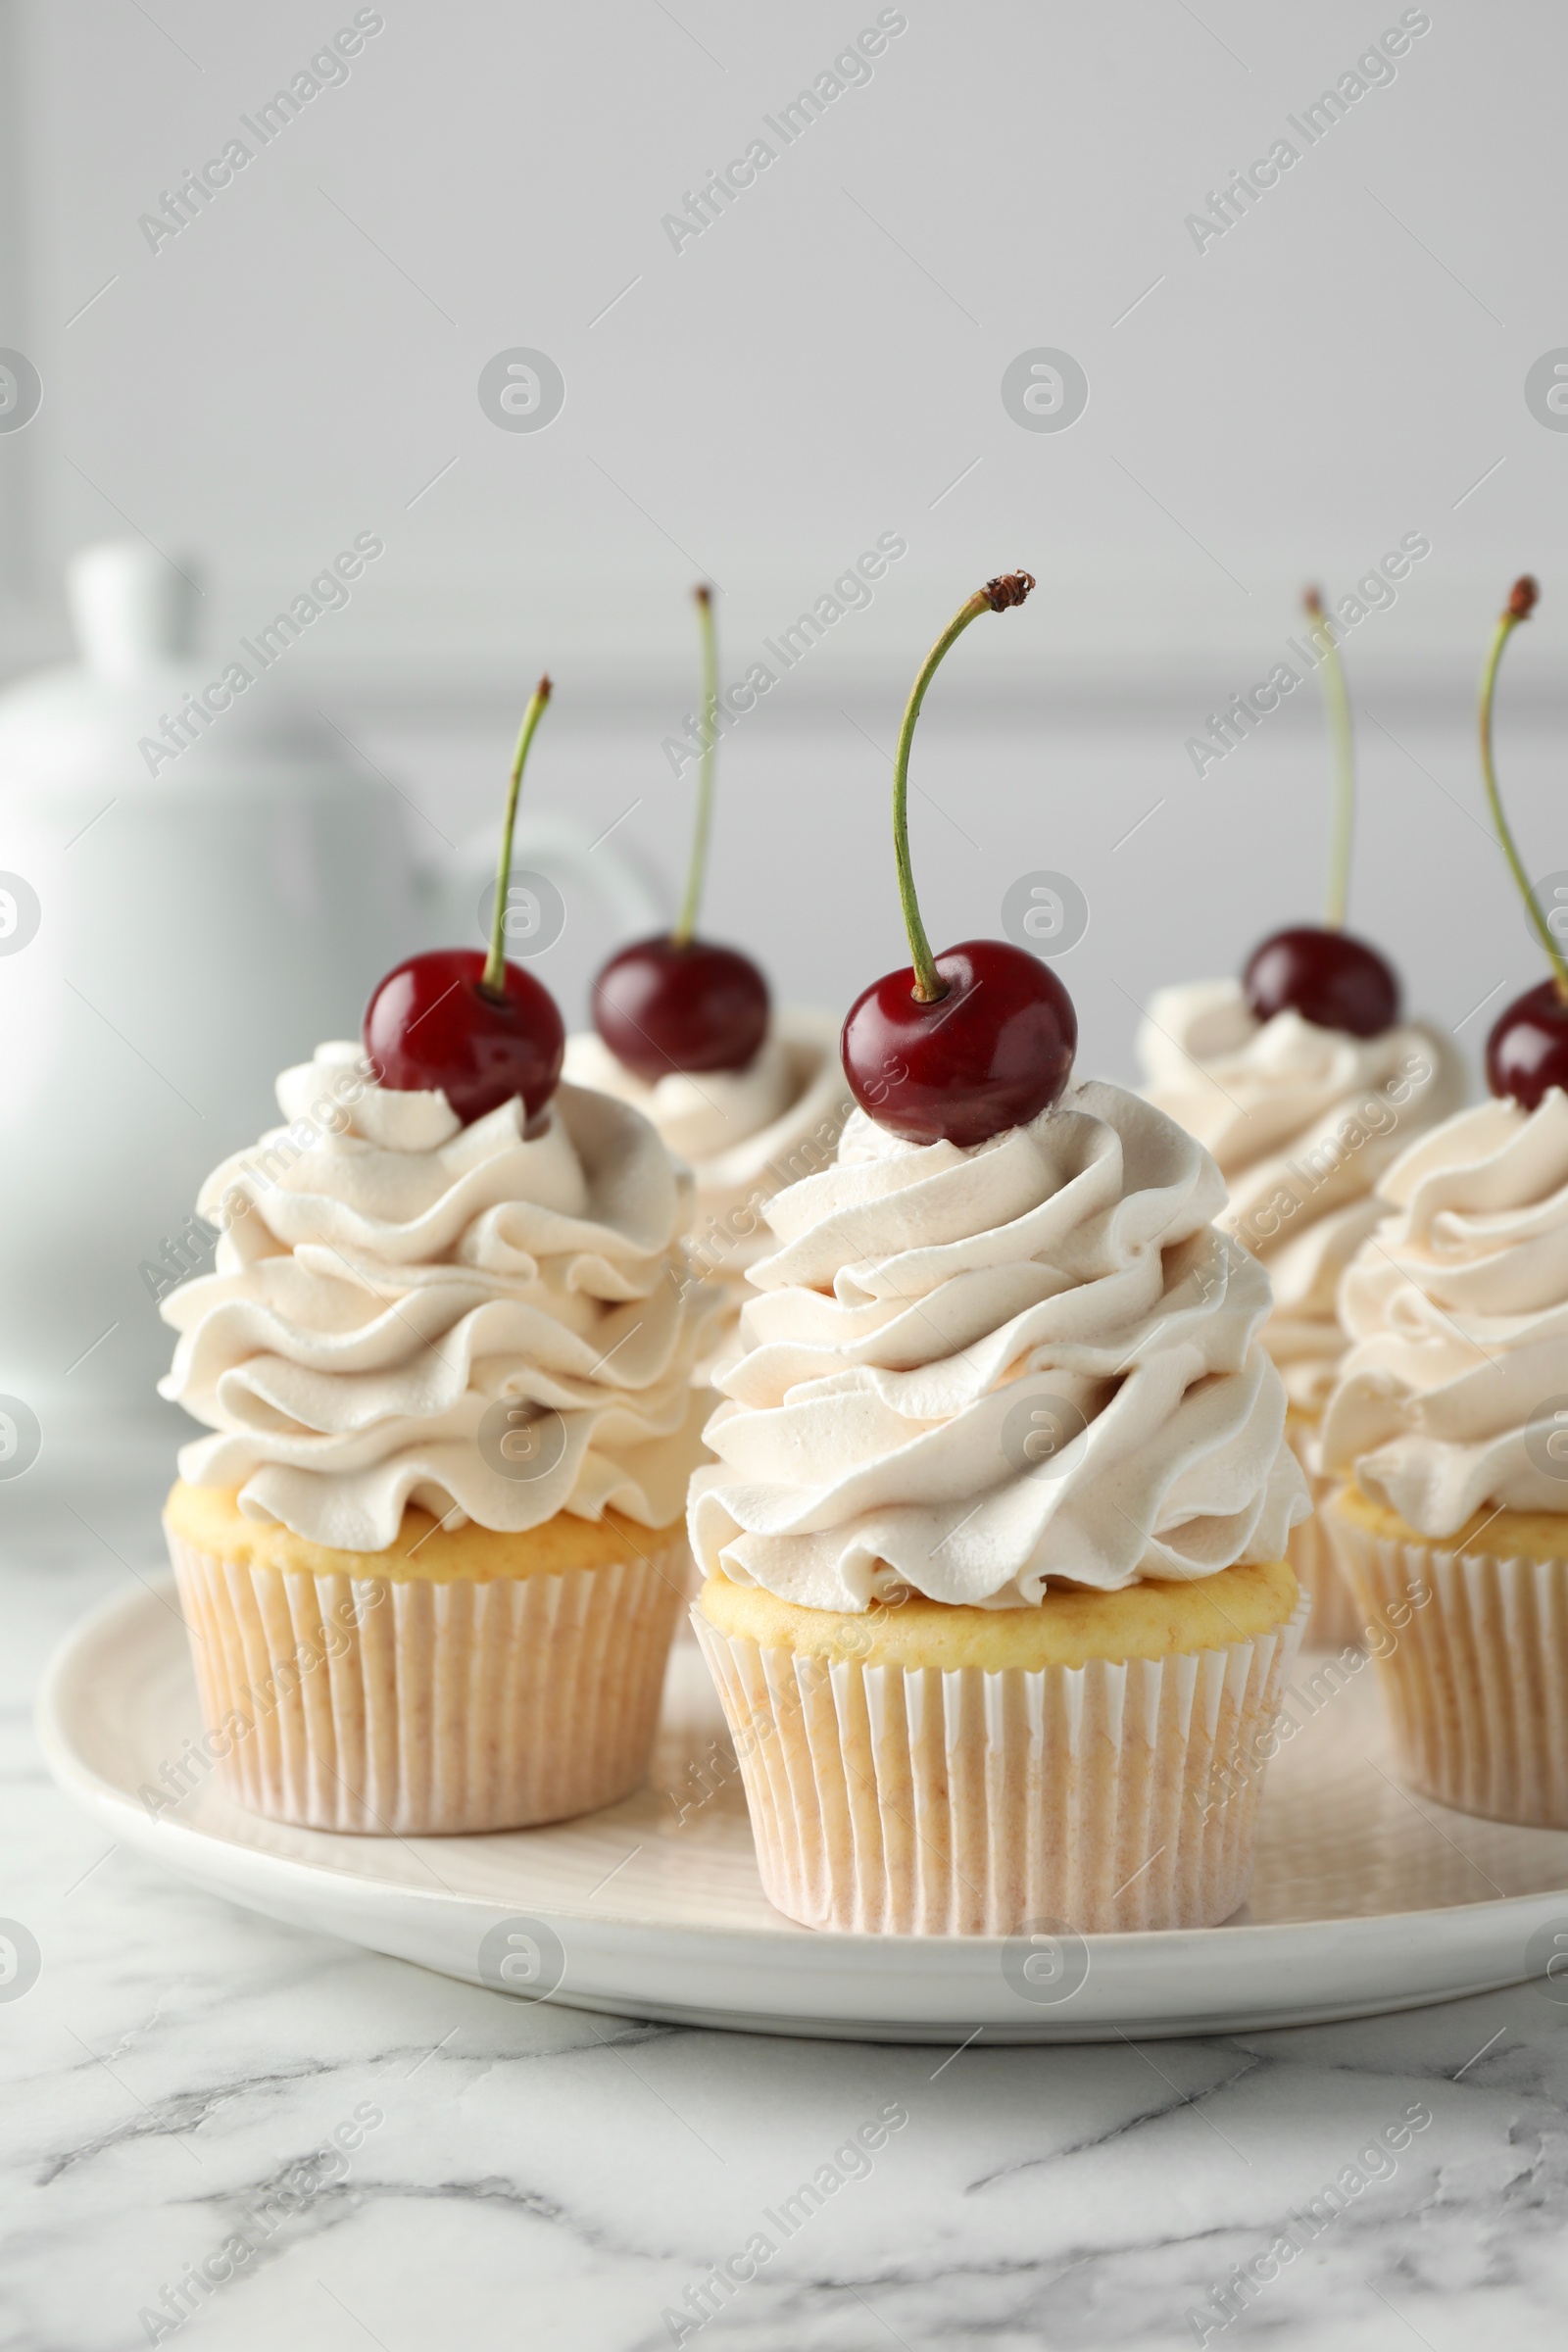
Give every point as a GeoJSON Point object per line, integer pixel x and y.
{"type": "Point", "coordinates": [637, 896]}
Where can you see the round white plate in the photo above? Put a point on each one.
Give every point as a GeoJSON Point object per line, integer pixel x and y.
{"type": "Point", "coordinates": [1367, 1898]}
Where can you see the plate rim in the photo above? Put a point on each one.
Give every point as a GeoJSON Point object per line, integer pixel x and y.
{"type": "Point", "coordinates": [77, 1777]}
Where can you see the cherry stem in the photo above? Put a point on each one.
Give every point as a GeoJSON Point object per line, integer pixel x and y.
{"type": "Point", "coordinates": [493, 979]}
{"type": "Point", "coordinates": [1520, 604]}
{"type": "Point", "coordinates": [1339, 702]}
{"type": "Point", "coordinates": [994, 597]}
{"type": "Point", "coordinates": [686, 925]}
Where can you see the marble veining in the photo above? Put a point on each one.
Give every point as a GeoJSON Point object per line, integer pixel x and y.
{"type": "Point", "coordinates": [184, 2077]}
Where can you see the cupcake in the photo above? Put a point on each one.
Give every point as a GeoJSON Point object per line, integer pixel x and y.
{"type": "Point", "coordinates": [1306, 1083]}
{"type": "Point", "coordinates": [431, 1551]}
{"type": "Point", "coordinates": [1449, 1426]}
{"type": "Point", "coordinates": [744, 1134]}
{"type": "Point", "coordinates": [684, 1030]}
{"type": "Point", "coordinates": [1302, 1120]}
{"type": "Point", "coordinates": [996, 1598]}
{"type": "Point", "coordinates": [1450, 1423]}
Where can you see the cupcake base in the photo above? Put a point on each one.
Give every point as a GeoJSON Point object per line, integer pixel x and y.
{"type": "Point", "coordinates": [1338, 1620]}
{"type": "Point", "coordinates": [981, 1798]}
{"type": "Point", "coordinates": [459, 1682]}
{"type": "Point", "coordinates": [1471, 1640]}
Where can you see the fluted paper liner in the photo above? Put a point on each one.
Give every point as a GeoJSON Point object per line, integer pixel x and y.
{"type": "Point", "coordinates": [1475, 1671]}
{"type": "Point", "coordinates": [1337, 1619]}
{"type": "Point", "coordinates": [417, 1707]}
{"type": "Point", "coordinates": [913, 1802]}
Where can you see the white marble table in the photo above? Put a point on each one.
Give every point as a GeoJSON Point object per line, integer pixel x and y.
{"type": "Point", "coordinates": [177, 2075]}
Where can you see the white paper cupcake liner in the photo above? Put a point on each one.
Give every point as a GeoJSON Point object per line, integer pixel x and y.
{"type": "Point", "coordinates": [416, 1707]}
{"type": "Point", "coordinates": [691, 1576]}
{"type": "Point", "coordinates": [912, 1801]}
{"type": "Point", "coordinates": [1473, 1651]}
{"type": "Point", "coordinates": [1338, 1620]}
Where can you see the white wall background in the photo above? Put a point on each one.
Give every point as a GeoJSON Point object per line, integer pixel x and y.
{"type": "Point", "coordinates": [820, 364]}
{"type": "Point", "coordinates": [1344, 366]}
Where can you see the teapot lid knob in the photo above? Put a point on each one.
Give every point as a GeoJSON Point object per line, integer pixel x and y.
{"type": "Point", "coordinates": [132, 608]}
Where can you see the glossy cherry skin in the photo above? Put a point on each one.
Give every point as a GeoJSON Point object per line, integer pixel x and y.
{"type": "Point", "coordinates": [1329, 978]}
{"type": "Point", "coordinates": [661, 1007]}
{"type": "Point", "coordinates": [429, 1025]}
{"type": "Point", "coordinates": [991, 1053]}
{"type": "Point", "coordinates": [1527, 1052]}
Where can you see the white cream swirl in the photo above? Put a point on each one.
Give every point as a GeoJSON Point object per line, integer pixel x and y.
{"type": "Point", "coordinates": [1458, 1373]}
{"type": "Point", "coordinates": [1303, 1123]}
{"type": "Point", "coordinates": [936, 1319]}
{"type": "Point", "coordinates": [744, 1134]}
{"type": "Point", "coordinates": [386, 1279]}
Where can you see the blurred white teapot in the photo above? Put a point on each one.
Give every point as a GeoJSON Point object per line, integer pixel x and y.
{"type": "Point", "coordinates": [168, 943]}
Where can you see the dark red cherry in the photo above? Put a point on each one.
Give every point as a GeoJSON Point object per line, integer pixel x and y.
{"type": "Point", "coordinates": [1527, 1052]}
{"type": "Point", "coordinates": [661, 1007]}
{"type": "Point", "coordinates": [1329, 978]}
{"type": "Point", "coordinates": [429, 1025]}
{"type": "Point", "coordinates": [993, 1053]}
